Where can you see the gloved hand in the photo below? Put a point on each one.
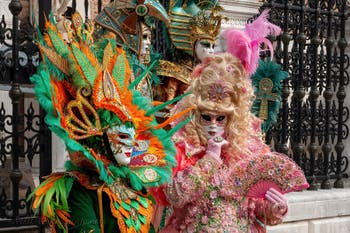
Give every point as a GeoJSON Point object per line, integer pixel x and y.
{"type": "Point", "coordinates": [279, 202]}
{"type": "Point", "coordinates": [214, 146]}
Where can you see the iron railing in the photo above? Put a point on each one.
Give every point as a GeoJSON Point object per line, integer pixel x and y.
{"type": "Point", "coordinates": [23, 134]}
{"type": "Point", "coordinates": [311, 127]}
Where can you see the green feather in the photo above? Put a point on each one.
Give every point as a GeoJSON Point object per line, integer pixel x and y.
{"type": "Point", "coordinates": [163, 105]}
{"type": "Point", "coordinates": [119, 70]}
{"type": "Point", "coordinates": [58, 43]}
{"type": "Point", "coordinates": [142, 75]}
{"type": "Point", "coordinates": [178, 127]}
{"type": "Point", "coordinates": [99, 46]}
{"type": "Point", "coordinates": [88, 69]}
{"type": "Point", "coordinates": [42, 88]}
{"type": "Point", "coordinates": [47, 200]}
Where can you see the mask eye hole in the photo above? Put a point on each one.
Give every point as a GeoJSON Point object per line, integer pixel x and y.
{"type": "Point", "coordinates": [123, 136]}
{"type": "Point", "coordinates": [220, 118]}
{"type": "Point", "coordinates": [206, 117]}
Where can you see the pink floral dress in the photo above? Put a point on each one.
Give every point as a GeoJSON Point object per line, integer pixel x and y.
{"type": "Point", "coordinates": [203, 201]}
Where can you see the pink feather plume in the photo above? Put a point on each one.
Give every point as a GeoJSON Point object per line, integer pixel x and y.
{"type": "Point", "coordinates": [245, 44]}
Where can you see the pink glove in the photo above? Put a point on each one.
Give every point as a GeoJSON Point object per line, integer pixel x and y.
{"type": "Point", "coordinates": [214, 147]}
{"type": "Point", "coordinates": [279, 202]}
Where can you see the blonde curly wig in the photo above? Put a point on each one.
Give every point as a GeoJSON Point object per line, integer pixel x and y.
{"type": "Point", "coordinates": [232, 97]}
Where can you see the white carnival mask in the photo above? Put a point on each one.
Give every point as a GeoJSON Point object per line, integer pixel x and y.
{"type": "Point", "coordinates": [122, 142]}
{"type": "Point", "coordinates": [146, 42]}
{"type": "Point", "coordinates": [213, 124]}
{"type": "Point", "coordinates": [203, 49]}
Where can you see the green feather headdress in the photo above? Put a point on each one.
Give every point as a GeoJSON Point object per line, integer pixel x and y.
{"type": "Point", "coordinates": [267, 89]}
{"type": "Point", "coordinates": [71, 79]}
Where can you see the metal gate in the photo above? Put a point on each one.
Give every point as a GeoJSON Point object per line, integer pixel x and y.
{"type": "Point", "coordinates": [24, 138]}
{"type": "Point", "coordinates": [311, 127]}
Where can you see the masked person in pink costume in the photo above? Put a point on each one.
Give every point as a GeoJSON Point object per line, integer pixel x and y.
{"type": "Point", "coordinates": [221, 133]}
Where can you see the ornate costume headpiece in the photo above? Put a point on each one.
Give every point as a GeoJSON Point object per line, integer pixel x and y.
{"type": "Point", "coordinates": [124, 17]}
{"type": "Point", "coordinates": [88, 95]}
{"type": "Point", "coordinates": [193, 22]}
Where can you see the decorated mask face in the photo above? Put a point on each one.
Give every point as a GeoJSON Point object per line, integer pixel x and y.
{"type": "Point", "coordinates": [204, 48]}
{"type": "Point", "coordinates": [146, 41]}
{"type": "Point", "coordinates": [122, 142]}
{"type": "Point", "coordinates": [213, 124]}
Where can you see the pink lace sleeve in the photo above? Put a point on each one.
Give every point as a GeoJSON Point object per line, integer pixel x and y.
{"type": "Point", "coordinates": [191, 182]}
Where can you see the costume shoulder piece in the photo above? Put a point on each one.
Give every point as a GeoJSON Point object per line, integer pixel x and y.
{"type": "Point", "coordinates": [86, 90]}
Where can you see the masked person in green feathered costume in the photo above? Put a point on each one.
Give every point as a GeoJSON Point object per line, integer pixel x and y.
{"type": "Point", "coordinates": [117, 150]}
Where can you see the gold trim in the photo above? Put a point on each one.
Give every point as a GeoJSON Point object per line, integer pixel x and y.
{"type": "Point", "coordinates": [181, 14]}
{"type": "Point", "coordinates": [173, 70]}
{"type": "Point", "coordinates": [181, 28]}
{"type": "Point", "coordinates": [179, 21]}
{"type": "Point", "coordinates": [179, 34]}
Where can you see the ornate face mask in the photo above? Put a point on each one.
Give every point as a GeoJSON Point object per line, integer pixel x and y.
{"type": "Point", "coordinates": [190, 22]}
{"type": "Point", "coordinates": [213, 124]}
{"type": "Point", "coordinates": [146, 42]}
{"type": "Point", "coordinates": [204, 48]}
{"type": "Point", "coordinates": [122, 142]}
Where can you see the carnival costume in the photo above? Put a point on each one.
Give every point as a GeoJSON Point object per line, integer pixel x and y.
{"type": "Point", "coordinates": [130, 21]}
{"type": "Point", "coordinates": [227, 179]}
{"type": "Point", "coordinates": [117, 149]}
{"type": "Point", "coordinates": [192, 24]}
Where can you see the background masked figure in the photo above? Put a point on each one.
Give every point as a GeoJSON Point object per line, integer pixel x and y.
{"type": "Point", "coordinates": [130, 22]}
{"type": "Point", "coordinates": [193, 28]}
{"type": "Point", "coordinates": [117, 150]}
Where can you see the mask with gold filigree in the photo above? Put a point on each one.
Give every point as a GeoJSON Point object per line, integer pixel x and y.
{"type": "Point", "coordinates": [127, 19]}
{"type": "Point", "coordinates": [193, 22]}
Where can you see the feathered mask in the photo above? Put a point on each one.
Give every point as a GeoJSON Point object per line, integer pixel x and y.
{"type": "Point", "coordinates": [245, 44]}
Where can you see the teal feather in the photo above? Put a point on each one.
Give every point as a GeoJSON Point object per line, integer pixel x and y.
{"type": "Point", "coordinates": [178, 127]}
{"type": "Point", "coordinates": [52, 18]}
{"type": "Point", "coordinates": [58, 43]}
{"type": "Point", "coordinates": [142, 76]}
{"type": "Point", "coordinates": [42, 88]}
{"type": "Point", "coordinates": [163, 105]}
{"type": "Point", "coordinates": [272, 71]}
{"type": "Point", "coordinates": [88, 69]}
{"type": "Point", "coordinates": [135, 181]}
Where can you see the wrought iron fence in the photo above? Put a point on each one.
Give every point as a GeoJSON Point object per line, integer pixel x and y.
{"type": "Point", "coordinates": [311, 127]}
{"type": "Point", "coordinates": [23, 134]}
